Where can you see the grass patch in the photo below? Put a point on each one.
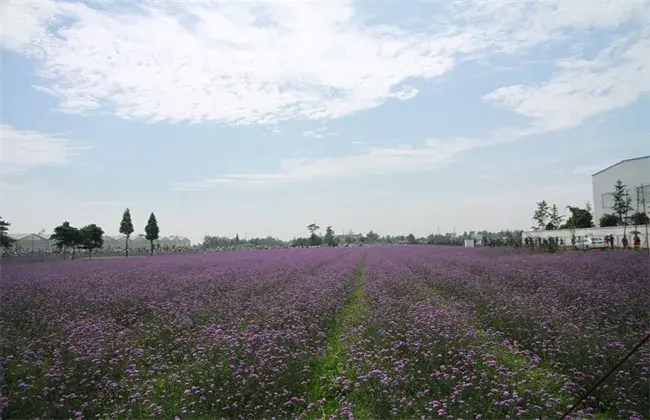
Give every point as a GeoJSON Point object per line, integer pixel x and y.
{"type": "Point", "coordinates": [328, 371]}
{"type": "Point", "coordinates": [538, 378]}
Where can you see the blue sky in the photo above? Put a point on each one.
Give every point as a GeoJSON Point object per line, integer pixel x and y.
{"type": "Point", "coordinates": [260, 117]}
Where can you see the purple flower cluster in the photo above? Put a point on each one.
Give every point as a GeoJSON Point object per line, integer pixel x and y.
{"type": "Point", "coordinates": [572, 314]}
{"type": "Point", "coordinates": [376, 332]}
{"type": "Point", "coordinates": [216, 335]}
{"type": "Point", "coordinates": [416, 354]}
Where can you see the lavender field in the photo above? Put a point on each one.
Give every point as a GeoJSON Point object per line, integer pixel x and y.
{"type": "Point", "coordinates": [375, 332]}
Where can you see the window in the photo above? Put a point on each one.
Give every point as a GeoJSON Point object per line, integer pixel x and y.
{"type": "Point", "coordinates": [607, 200]}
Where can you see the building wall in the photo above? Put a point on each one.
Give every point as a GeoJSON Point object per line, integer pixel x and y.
{"type": "Point", "coordinates": [633, 173]}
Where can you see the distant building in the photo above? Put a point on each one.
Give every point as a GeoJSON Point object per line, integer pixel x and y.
{"type": "Point", "coordinates": [349, 237]}
{"type": "Point", "coordinates": [634, 173]}
{"type": "Point", "coordinates": [29, 242]}
{"type": "Point", "coordinates": [113, 243]}
{"type": "Point", "coordinates": [38, 243]}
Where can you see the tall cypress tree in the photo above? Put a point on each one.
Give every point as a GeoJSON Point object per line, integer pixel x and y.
{"type": "Point", "coordinates": [622, 205]}
{"type": "Point", "coordinates": [151, 230]}
{"type": "Point", "coordinates": [126, 228]}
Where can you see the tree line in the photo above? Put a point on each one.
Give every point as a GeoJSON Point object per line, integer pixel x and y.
{"type": "Point", "coordinates": [501, 238]}
{"type": "Point", "coordinates": [5, 240]}
{"type": "Point", "coordinates": [90, 237]}
{"type": "Point", "coordinates": [549, 218]}
{"type": "Point", "coordinates": [329, 238]}
{"type": "Point", "coordinates": [214, 242]}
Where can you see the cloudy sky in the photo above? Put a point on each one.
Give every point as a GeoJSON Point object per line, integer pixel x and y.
{"type": "Point", "coordinates": [260, 118]}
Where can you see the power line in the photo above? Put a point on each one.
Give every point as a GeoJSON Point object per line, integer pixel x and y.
{"type": "Point", "coordinates": [612, 370]}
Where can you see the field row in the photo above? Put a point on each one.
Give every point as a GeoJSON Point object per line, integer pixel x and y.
{"type": "Point", "coordinates": [367, 333]}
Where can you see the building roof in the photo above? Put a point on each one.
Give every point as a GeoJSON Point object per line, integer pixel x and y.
{"type": "Point", "coordinates": [19, 236]}
{"type": "Point", "coordinates": [623, 161]}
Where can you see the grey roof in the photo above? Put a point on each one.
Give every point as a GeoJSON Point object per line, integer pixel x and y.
{"type": "Point", "coordinates": [623, 161]}
{"type": "Point", "coordinates": [18, 236]}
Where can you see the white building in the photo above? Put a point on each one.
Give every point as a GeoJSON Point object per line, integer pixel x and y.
{"type": "Point", "coordinates": [29, 242]}
{"type": "Point", "coordinates": [117, 242]}
{"type": "Point", "coordinates": [139, 241]}
{"type": "Point", "coordinates": [113, 243]}
{"type": "Point", "coordinates": [634, 173]}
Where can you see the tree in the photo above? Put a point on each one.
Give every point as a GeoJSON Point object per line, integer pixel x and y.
{"type": "Point", "coordinates": [579, 219]}
{"type": "Point", "coordinates": [67, 236]}
{"type": "Point", "coordinates": [372, 237]}
{"type": "Point", "coordinates": [313, 228]}
{"type": "Point", "coordinates": [126, 228]}
{"type": "Point", "coordinates": [622, 203]}
{"type": "Point", "coordinates": [300, 242]}
{"type": "Point", "coordinates": [91, 238]}
{"type": "Point", "coordinates": [555, 218]}
{"type": "Point", "coordinates": [4, 226]}
{"type": "Point", "coordinates": [608, 220]}
{"type": "Point", "coordinates": [237, 239]}
{"type": "Point", "coordinates": [315, 240]}
{"type": "Point", "coordinates": [329, 239]}
{"type": "Point", "coordinates": [410, 239]}
{"type": "Point", "coordinates": [5, 240]}
{"type": "Point", "coordinates": [151, 230]}
{"type": "Point", "coordinates": [541, 215]}
{"type": "Point", "coordinates": [640, 218]}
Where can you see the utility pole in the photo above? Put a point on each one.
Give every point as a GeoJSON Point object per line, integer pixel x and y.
{"type": "Point", "coordinates": [641, 194]}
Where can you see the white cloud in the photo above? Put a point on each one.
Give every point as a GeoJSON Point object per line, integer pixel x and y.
{"type": "Point", "coordinates": [317, 133]}
{"type": "Point", "coordinates": [515, 25]}
{"type": "Point", "coordinates": [377, 161]}
{"type": "Point", "coordinates": [23, 149]}
{"type": "Point", "coordinates": [254, 62]}
{"type": "Point", "coordinates": [432, 154]}
{"type": "Point", "coordinates": [617, 77]}
{"type": "Point", "coordinates": [235, 62]}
